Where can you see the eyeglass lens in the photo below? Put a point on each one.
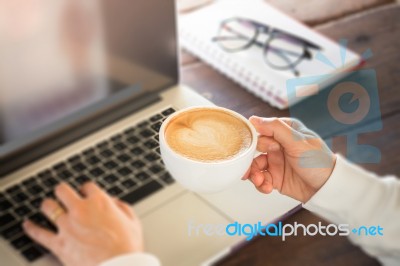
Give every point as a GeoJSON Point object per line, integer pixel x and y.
{"type": "Point", "coordinates": [235, 35]}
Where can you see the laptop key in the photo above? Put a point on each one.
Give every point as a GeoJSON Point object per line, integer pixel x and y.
{"type": "Point", "coordinates": [110, 164]}
{"type": "Point", "coordinates": [141, 192]}
{"type": "Point", "coordinates": [93, 160]}
{"type": "Point", "coordinates": [35, 189]}
{"type": "Point", "coordinates": [64, 175]}
{"type": "Point", "coordinates": [101, 184]}
{"type": "Point", "coordinates": [111, 179]}
{"type": "Point", "coordinates": [133, 139]}
{"type": "Point", "coordinates": [13, 189]}
{"type": "Point", "coordinates": [146, 133]}
{"type": "Point", "coordinates": [129, 183]}
{"type": "Point", "coordinates": [138, 164]}
{"type": "Point", "coordinates": [74, 159]}
{"type": "Point", "coordinates": [151, 157]}
{"type": "Point", "coordinates": [155, 118]}
{"type": "Point", "coordinates": [96, 172]}
{"type": "Point", "coordinates": [151, 144]}
{"type": "Point", "coordinates": [50, 194]}
{"type": "Point", "coordinates": [142, 176]}
{"type": "Point", "coordinates": [21, 242]}
{"type": "Point", "coordinates": [88, 152]}
{"type": "Point", "coordinates": [123, 157]}
{"type": "Point", "coordinates": [41, 220]}
{"type": "Point", "coordinates": [102, 145]}
{"type": "Point", "coordinates": [60, 166]}
{"type": "Point", "coordinates": [143, 124]}
{"type": "Point", "coordinates": [114, 191]}
{"type": "Point", "coordinates": [5, 205]}
{"type": "Point", "coordinates": [12, 231]}
{"type": "Point", "coordinates": [22, 211]}
{"type": "Point", "coordinates": [168, 111]}
{"type": "Point", "coordinates": [6, 219]}
{"type": "Point", "coordinates": [156, 168]}
{"type": "Point", "coordinates": [44, 174]}
{"type": "Point", "coordinates": [116, 138]}
{"type": "Point", "coordinates": [50, 182]}
{"type": "Point", "coordinates": [106, 153]}
{"type": "Point", "coordinates": [32, 253]}
{"type": "Point", "coordinates": [29, 182]}
{"type": "Point", "coordinates": [19, 197]}
{"type": "Point", "coordinates": [137, 151]}
{"type": "Point", "coordinates": [119, 146]}
{"type": "Point", "coordinates": [129, 130]}
{"type": "Point", "coordinates": [82, 179]}
{"type": "Point", "coordinates": [124, 171]}
{"type": "Point", "coordinates": [167, 178]}
{"type": "Point", "coordinates": [37, 202]}
{"type": "Point", "coordinates": [156, 127]}
{"type": "Point", "coordinates": [79, 167]}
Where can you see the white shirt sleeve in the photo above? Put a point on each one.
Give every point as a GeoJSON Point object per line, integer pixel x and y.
{"type": "Point", "coordinates": [359, 198]}
{"type": "Point", "coordinates": [133, 259]}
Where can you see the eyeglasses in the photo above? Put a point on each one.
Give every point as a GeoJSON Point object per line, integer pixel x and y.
{"type": "Point", "coordinates": [281, 50]}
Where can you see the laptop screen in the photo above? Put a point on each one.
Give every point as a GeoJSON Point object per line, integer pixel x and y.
{"type": "Point", "coordinates": [62, 59]}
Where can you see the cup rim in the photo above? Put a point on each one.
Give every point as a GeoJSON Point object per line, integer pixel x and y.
{"type": "Point", "coordinates": [241, 117]}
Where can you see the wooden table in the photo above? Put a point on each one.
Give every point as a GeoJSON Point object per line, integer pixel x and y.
{"type": "Point", "coordinates": [377, 28]}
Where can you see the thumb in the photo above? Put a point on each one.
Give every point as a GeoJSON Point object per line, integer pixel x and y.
{"type": "Point", "coordinates": [276, 128]}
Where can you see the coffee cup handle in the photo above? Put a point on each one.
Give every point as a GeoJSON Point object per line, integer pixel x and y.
{"type": "Point", "coordinates": [258, 153]}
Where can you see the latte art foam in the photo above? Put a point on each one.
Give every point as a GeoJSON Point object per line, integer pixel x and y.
{"type": "Point", "coordinates": [208, 135]}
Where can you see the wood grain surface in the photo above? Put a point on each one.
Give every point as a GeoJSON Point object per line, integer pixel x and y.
{"type": "Point", "coordinates": [377, 29]}
{"type": "Point", "coordinates": [314, 12]}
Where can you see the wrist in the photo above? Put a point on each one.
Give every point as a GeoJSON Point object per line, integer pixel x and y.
{"type": "Point", "coordinates": [122, 249]}
{"type": "Point", "coordinates": [322, 179]}
{"type": "Point", "coordinates": [137, 258]}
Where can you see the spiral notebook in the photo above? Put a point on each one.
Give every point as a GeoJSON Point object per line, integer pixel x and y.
{"type": "Point", "coordinates": [247, 67]}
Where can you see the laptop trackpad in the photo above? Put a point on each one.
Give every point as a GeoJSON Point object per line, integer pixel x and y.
{"type": "Point", "coordinates": [174, 233]}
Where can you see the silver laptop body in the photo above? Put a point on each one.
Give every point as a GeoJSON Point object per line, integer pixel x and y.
{"type": "Point", "coordinates": [95, 80]}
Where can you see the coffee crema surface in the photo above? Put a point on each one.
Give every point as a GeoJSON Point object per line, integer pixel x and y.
{"type": "Point", "coordinates": [208, 135]}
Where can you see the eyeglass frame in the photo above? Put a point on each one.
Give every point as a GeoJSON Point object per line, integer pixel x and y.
{"type": "Point", "coordinates": [271, 31]}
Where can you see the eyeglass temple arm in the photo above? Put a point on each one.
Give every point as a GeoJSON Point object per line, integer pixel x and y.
{"type": "Point", "coordinates": [280, 52]}
{"type": "Point", "coordinates": [241, 36]}
{"type": "Point", "coordinates": [299, 39]}
{"type": "Point", "coordinates": [258, 43]}
{"type": "Point", "coordinates": [267, 28]}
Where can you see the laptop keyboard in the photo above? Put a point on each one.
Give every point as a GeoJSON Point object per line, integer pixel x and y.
{"type": "Point", "coordinates": [127, 165]}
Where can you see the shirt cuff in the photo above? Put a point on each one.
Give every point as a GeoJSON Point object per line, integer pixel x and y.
{"type": "Point", "coordinates": [347, 186]}
{"type": "Point", "coordinates": [140, 259]}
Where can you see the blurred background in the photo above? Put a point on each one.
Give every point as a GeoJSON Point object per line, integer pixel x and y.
{"type": "Point", "coordinates": [366, 24]}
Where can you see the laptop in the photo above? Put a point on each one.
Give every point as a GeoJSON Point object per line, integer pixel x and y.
{"type": "Point", "coordinates": [85, 86]}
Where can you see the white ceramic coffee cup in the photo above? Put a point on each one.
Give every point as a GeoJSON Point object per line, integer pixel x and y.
{"type": "Point", "coordinates": [207, 177]}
